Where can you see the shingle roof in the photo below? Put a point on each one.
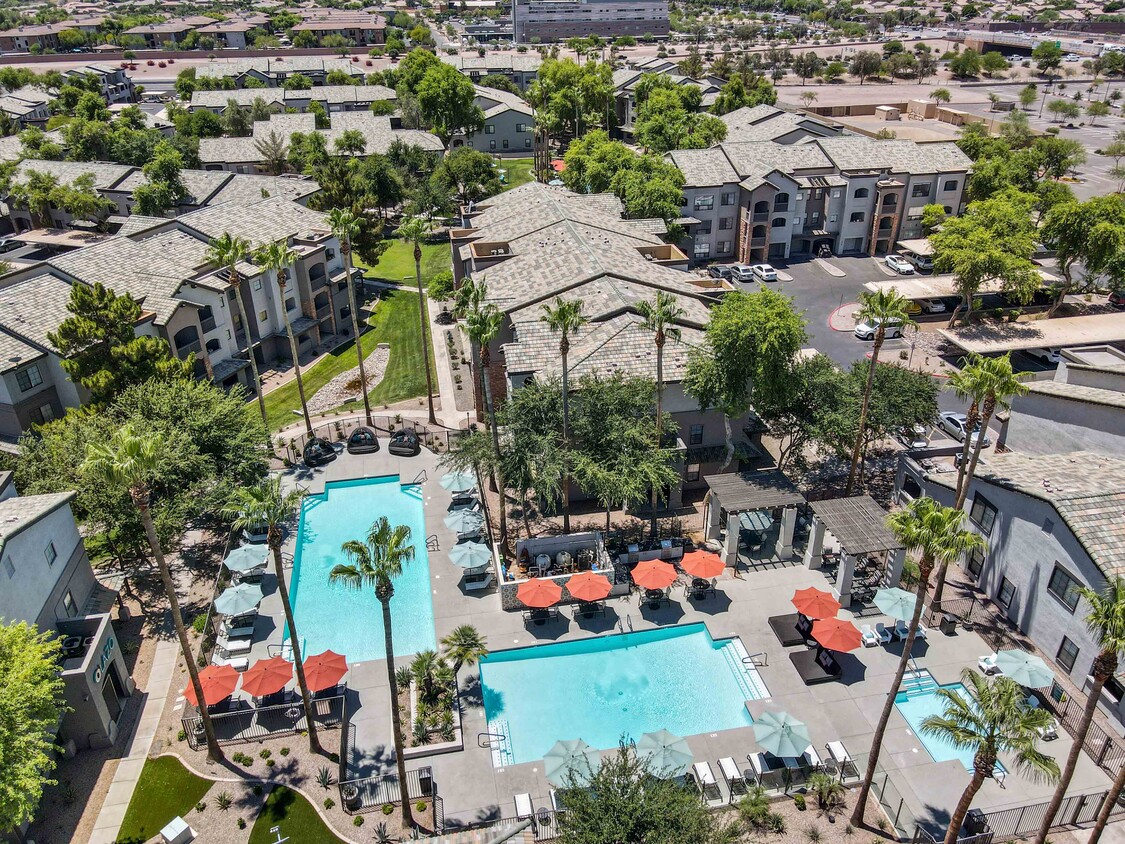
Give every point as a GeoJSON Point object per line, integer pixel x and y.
{"type": "Point", "coordinates": [261, 222]}
{"type": "Point", "coordinates": [768, 123]}
{"type": "Point", "coordinates": [1079, 392]}
{"type": "Point", "coordinates": [247, 188]}
{"type": "Point", "coordinates": [105, 175]}
{"type": "Point", "coordinates": [498, 62]}
{"type": "Point", "coordinates": [21, 511]}
{"type": "Point", "coordinates": [856, 152]}
{"type": "Point", "coordinates": [494, 101]}
{"type": "Point", "coordinates": [704, 167]}
{"type": "Point", "coordinates": [33, 307]}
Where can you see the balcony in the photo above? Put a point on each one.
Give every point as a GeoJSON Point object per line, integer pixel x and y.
{"type": "Point", "coordinates": [207, 325]}
{"type": "Point", "coordinates": [189, 348]}
{"type": "Point", "coordinates": [758, 242]}
{"type": "Point", "coordinates": [760, 217]}
{"type": "Point", "coordinates": [781, 209]}
{"type": "Point", "coordinates": [324, 311]}
{"type": "Point", "coordinates": [318, 282]}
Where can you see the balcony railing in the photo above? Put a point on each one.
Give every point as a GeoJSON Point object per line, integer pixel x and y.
{"type": "Point", "coordinates": [323, 311]}
{"type": "Point", "coordinates": [761, 216]}
{"type": "Point", "coordinates": [757, 241]}
{"type": "Point", "coordinates": [188, 348]}
{"type": "Point", "coordinates": [207, 324]}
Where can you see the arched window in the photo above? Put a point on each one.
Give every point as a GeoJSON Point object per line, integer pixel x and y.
{"type": "Point", "coordinates": [213, 346]}
{"type": "Point", "coordinates": [778, 222]}
{"type": "Point", "coordinates": [781, 202]}
{"type": "Point", "coordinates": [862, 193]}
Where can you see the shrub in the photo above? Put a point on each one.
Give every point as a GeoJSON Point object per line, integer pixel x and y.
{"type": "Point", "coordinates": [284, 751]}
{"type": "Point", "coordinates": [813, 834]}
{"type": "Point", "coordinates": [328, 803]}
{"type": "Point", "coordinates": [201, 805]}
{"type": "Point", "coordinates": [223, 801]}
{"type": "Point", "coordinates": [357, 820]}
{"type": "Point", "coordinates": [440, 287]}
{"type": "Point", "coordinates": [242, 823]}
{"type": "Point", "coordinates": [270, 763]}
{"type": "Point", "coordinates": [199, 623]}
{"type": "Point", "coordinates": [799, 802]}
{"type": "Point", "coordinates": [420, 806]}
{"type": "Point", "coordinates": [388, 808]}
{"type": "Point", "coordinates": [754, 808]}
{"type": "Point", "coordinates": [775, 823]}
{"type": "Point", "coordinates": [264, 753]}
{"type": "Point", "coordinates": [257, 790]}
{"type": "Point", "coordinates": [829, 791]}
{"type": "Point", "coordinates": [181, 735]}
{"type": "Point", "coordinates": [324, 778]}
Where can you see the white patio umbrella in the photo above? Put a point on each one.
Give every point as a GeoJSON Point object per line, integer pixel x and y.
{"type": "Point", "coordinates": [1026, 669]}
{"type": "Point", "coordinates": [897, 603]}
{"type": "Point", "coordinates": [571, 761]}
{"type": "Point", "coordinates": [464, 521]}
{"type": "Point", "coordinates": [470, 555]}
{"type": "Point", "coordinates": [781, 734]}
{"type": "Point", "coordinates": [239, 599]}
{"type": "Point", "coordinates": [246, 558]}
{"type": "Point", "coordinates": [458, 481]}
{"type": "Point", "coordinates": [668, 754]}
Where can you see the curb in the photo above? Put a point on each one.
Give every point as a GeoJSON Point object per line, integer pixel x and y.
{"type": "Point", "coordinates": [867, 356]}
{"type": "Point", "coordinates": [832, 316]}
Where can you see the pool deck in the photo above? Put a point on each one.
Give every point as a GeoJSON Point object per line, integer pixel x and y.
{"type": "Point", "coordinates": [845, 710]}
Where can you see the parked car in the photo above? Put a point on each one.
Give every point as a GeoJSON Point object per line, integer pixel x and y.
{"type": "Point", "coordinates": [866, 330]}
{"type": "Point", "coordinates": [899, 264]}
{"type": "Point", "coordinates": [1117, 298]}
{"type": "Point", "coordinates": [7, 244]}
{"type": "Point", "coordinates": [1044, 355]}
{"type": "Point", "coordinates": [719, 271]}
{"type": "Point", "coordinates": [404, 443]}
{"type": "Point", "coordinates": [957, 424]}
{"type": "Point", "coordinates": [932, 306]}
{"type": "Point", "coordinates": [922, 263]}
{"type": "Point", "coordinates": [915, 437]}
{"type": "Point", "coordinates": [765, 272]}
{"type": "Point", "coordinates": [742, 272]}
{"type": "Point", "coordinates": [1073, 57]}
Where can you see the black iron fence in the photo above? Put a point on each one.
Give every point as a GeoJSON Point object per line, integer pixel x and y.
{"type": "Point", "coordinates": [367, 794]}
{"type": "Point", "coordinates": [437, 438]}
{"type": "Point", "coordinates": [250, 724]}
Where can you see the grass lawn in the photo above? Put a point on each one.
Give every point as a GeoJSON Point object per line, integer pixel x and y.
{"type": "Point", "coordinates": [165, 790]}
{"type": "Point", "coordinates": [519, 171]}
{"type": "Point", "coordinates": [397, 262]}
{"type": "Point", "coordinates": [294, 816]}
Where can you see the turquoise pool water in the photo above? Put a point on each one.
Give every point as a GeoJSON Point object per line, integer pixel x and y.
{"type": "Point", "coordinates": [603, 688]}
{"type": "Point", "coordinates": [915, 708]}
{"type": "Point", "coordinates": [349, 621]}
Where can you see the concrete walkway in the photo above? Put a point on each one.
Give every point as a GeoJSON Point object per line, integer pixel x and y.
{"type": "Point", "coordinates": [447, 390]}
{"type": "Point", "coordinates": [129, 768]}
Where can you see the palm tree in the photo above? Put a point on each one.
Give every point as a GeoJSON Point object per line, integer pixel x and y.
{"type": "Point", "coordinates": [1106, 623]}
{"type": "Point", "coordinates": [266, 504]}
{"type": "Point", "coordinates": [465, 646]}
{"type": "Point", "coordinates": [227, 251]}
{"type": "Point", "coordinates": [997, 720]}
{"type": "Point", "coordinates": [563, 319]}
{"type": "Point", "coordinates": [345, 225]}
{"type": "Point", "coordinates": [414, 230]}
{"type": "Point", "coordinates": [1108, 805]}
{"type": "Point", "coordinates": [660, 318]}
{"type": "Point", "coordinates": [936, 532]}
{"type": "Point", "coordinates": [131, 460]}
{"type": "Point", "coordinates": [375, 563]}
{"type": "Point", "coordinates": [278, 257]}
{"type": "Point", "coordinates": [882, 307]}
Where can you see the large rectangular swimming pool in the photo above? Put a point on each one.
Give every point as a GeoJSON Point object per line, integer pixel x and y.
{"type": "Point", "coordinates": [603, 688]}
{"type": "Point", "coordinates": [349, 621]}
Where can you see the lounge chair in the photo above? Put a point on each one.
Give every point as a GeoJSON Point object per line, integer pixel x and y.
{"type": "Point", "coordinates": [556, 802]}
{"type": "Point", "coordinates": [901, 630]}
{"type": "Point", "coordinates": [811, 758]}
{"type": "Point", "coordinates": [758, 764]}
{"type": "Point", "coordinates": [883, 633]}
{"type": "Point", "coordinates": [842, 759]}
{"type": "Point", "coordinates": [736, 783]}
{"type": "Point", "coordinates": [922, 632]}
{"type": "Point", "coordinates": [238, 664]}
{"type": "Point", "coordinates": [868, 636]}
{"type": "Point", "coordinates": [233, 647]}
{"type": "Point", "coordinates": [705, 782]}
{"type": "Point", "coordinates": [524, 809]}
{"type": "Point", "coordinates": [987, 665]}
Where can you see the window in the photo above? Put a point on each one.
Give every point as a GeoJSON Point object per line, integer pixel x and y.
{"type": "Point", "coordinates": [835, 194]}
{"type": "Point", "coordinates": [975, 562]}
{"type": "Point", "coordinates": [1007, 593]}
{"type": "Point", "coordinates": [42, 414]}
{"type": "Point", "coordinates": [257, 284]}
{"type": "Point", "coordinates": [832, 218]}
{"type": "Point", "coordinates": [857, 217]}
{"type": "Point", "coordinates": [796, 221]}
{"type": "Point", "coordinates": [920, 190]}
{"type": "Point", "coordinates": [1067, 655]}
{"type": "Point", "coordinates": [781, 202]}
{"type": "Point", "coordinates": [492, 144]}
{"type": "Point", "coordinates": [724, 246]}
{"type": "Point", "coordinates": [704, 227]}
{"type": "Point", "coordinates": [50, 553]}
{"type": "Point", "coordinates": [28, 378]}
{"type": "Point", "coordinates": [505, 143]}
{"type": "Point", "coordinates": [862, 193]}
{"type": "Point", "coordinates": [262, 316]}
{"type": "Point", "coordinates": [800, 197]}
{"type": "Point", "coordinates": [702, 249]}
{"type": "Point", "coordinates": [982, 514]}
{"type": "Point", "coordinates": [1064, 587]}
{"type": "Point", "coordinates": [950, 185]}
{"type": "Point", "coordinates": [704, 203]}
{"type": "Point", "coordinates": [727, 199]}
{"type": "Point", "coordinates": [521, 127]}
{"type": "Point", "coordinates": [692, 472]}
{"type": "Point", "coordinates": [778, 222]}
{"type": "Point", "coordinates": [527, 143]}
{"type": "Point", "coordinates": [726, 224]}
{"type": "Point", "coordinates": [290, 303]}
{"type": "Point", "coordinates": [490, 129]}
{"type": "Point", "coordinates": [69, 605]}
{"type": "Point", "coordinates": [695, 435]}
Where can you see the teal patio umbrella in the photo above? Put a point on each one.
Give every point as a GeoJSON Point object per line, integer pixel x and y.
{"type": "Point", "coordinates": [246, 558]}
{"type": "Point", "coordinates": [897, 603]}
{"type": "Point", "coordinates": [464, 521]}
{"type": "Point", "coordinates": [571, 761]}
{"type": "Point", "coordinates": [1026, 669]}
{"type": "Point", "coordinates": [668, 754]}
{"type": "Point", "coordinates": [470, 555]}
{"type": "Point", "coordinates": [458, 481]}
{"type": "Point", "coordinates": [239, 599]}
{"type": "Point", "coordinates": [781, 734]}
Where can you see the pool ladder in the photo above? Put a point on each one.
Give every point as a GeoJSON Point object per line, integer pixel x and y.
{"type": "Point", "coordinates": [420, 478]}
{"type": "Point", "coordinates": [432, 543]}
{"type": "Point", "coordinates": [756, 660]}
{"type": "Point", "coordinates": [626, 623]}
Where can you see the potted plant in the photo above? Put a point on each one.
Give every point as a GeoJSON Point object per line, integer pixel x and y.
{"type": "Point", "coordinates": [350, 795]}
{"type": "Point", "coordinates": [967, 619]}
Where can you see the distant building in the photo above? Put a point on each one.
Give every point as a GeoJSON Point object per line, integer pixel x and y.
{"type": "Point", "coordinates": [117, 86]}
{"type": "Point", "coordinates": [557, 20]}
{"type": "Point", "coordinates": [625, 82]}
{"type": "Point", "coordinates": [488, 31]}
{"type": "Point", "coordinates": [509, 125]}
{"type": "Point", "coordinates": [332, 97]}
{"type": "Point", "coordinates": [521, 68]}
{"type": "Point", "coordinates": [359, 29]}
{"type": "Point", "coordinates": [167, 33]}
{"type": "Point", "coordinates": [233, 32]}
{"type": "Point", "coordinates": [273, 71]}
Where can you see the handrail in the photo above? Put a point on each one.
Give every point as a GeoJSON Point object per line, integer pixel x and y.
{"type": "Point", "coordinates": [488, 744]}
{"type": "Point", "coordinates": [433, 543]}
{"type": "Point", "coordinates": [420, 478]}
{"type": "Point", "coordinates": [752, 659]}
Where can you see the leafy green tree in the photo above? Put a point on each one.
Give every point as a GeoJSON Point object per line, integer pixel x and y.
{"type": "Point", "coordinates": [1096, 109]}
{"type": "Point", "coordinates": [833, 71]}
{"type": "Point", "coordinates": [1047, 56]}
{"type": "Point", "coordinates": [933, 215]}
{"type": "Point", "coordinates": [865, 65]}
{"type": "Point", "coordinates": [1089, 234]}
{"type": "Point", "coordinates": [91, 106]}
{"type": "Point", "coordinates": [669, 120]}
{"type": "Point", "coordinates": [1028, 95]}
{"type": "Point", "coordinates": [446, 99]}
{"type": "Point", "coordinates": [164, 187]}
{"type": "Point", "coordinates": [274, 152]}
{"type": "Point", "coordinates": [660, 317]}
{"type": "Point", "coordinates": [31, 698]}
{"type": "Point", "coordinates": [237, 121]}
{"type": "Point", "coordinates": [227, 252]}
{"type": "Point", "coordinates": [569, 98]}
{"type": "Point", "coordinates": [807, 65]}
{"type": "Point", "coordinates": [941, 95]}
{"type": "Point", "coordinates": [966, 63]}
{"type": "Point", "coordinates": [467, 174]}
{"type": "Point", "coordinates": [992, 63]}
{"type": "Point", "coordinates": [413, 68]}
{"type": "Point", "coordinates": [564, 318]}
{"type": "Point", "coordinates": [297, 82]}
{"type": "Point", "coordinates": [647, 185]}
{"type": "Point", "coordinates": [351, 142]}
{"type": "Point", "coordinates": [500, 82]}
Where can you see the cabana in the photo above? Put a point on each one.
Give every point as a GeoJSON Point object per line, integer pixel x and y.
{"type": "Point", "coordinates": [752, 498]}
{"type": "Point", "coordinates": [859, 525]}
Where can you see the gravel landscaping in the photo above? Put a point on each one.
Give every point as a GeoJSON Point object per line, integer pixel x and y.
{"type": "Point", "coordinates": [345, 386]}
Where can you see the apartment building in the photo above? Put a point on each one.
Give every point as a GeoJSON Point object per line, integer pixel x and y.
{"type": "Point", "coordinates": [359, 28]}
{"type": "Point", "coordinates": [26, 107]}
{"type": "Point", "coordinates": [625, 82]}
{"type": "Point", "coordinates": [557, 20]}
{"type": "Point", "coordinates": [233, 33]}
{"type": "Point", "coordinates": [521, 68]}
{"type": "Point", "coordinates": [331, 97]}
{"type": "Point", "coordinates": [23, 38]}
{"type": "Point", "coordinates": [116, 84]}
{"type": "Point", "coordinates": [272, 71]}
{"type": "Point", "coordinates": [509, 125]}
{"type": "Point", "coordinates": [167, 33]}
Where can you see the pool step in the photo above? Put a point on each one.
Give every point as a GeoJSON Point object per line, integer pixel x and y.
{"type": "Point", "coordinates": [918, 683]}
{"type": "Point", "coordinates": [751, 682]}
{"type": "Point", "coordinates": [502, 747]}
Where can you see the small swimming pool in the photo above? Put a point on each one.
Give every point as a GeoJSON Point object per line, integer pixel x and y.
{"type": "Point", "coordinates": [603, 688]}
{"type": "Point", "coordinates": [916, 706]}
{"type": "Point", "coordinates": [348, 621]}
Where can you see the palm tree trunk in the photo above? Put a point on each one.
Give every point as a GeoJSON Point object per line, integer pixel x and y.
{"type": "Point", "coordinates": [566, 438]}
{"type": "Point", "coordinates": [857, 448]}
{"type": "Point", "coordinates": [490, 409]}
{"type": "Point", "coordinates": [965, 476]}
{"type": "Point", "coordinates": [1107, 806]}
{"type": "Point", "coordinates": [296, 362]}
{"type": "Point", "coordinates": [214, 752]}
{"type": "Point", "coordinates": [963, 805]}
{"type": "Point", "coordinates": [355, 331]}
{"type": "Point", "coordinates": [971, 419]}
{"type": "Point", "coordinates": [924, 568]}
{"type": "Point", "coordinates": [425, 337]}
{"type": "Point", "coordinates": [306, 698]}
{"type": "Point", "coordinates": [400, 754]}
{"type": "Point", "coordinates": [659, 418]}
{"type": "Point", "coordinates": [249, 344]}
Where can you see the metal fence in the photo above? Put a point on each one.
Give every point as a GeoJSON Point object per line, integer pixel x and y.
{"type": "Point", "coordinates": [902, 819]}
{"type": "Point", "coordinates": [366, 794]}
{"type": "Point", "coordinates": [242, 726]}
{"type": "Point", "coordinates": [437, 438]}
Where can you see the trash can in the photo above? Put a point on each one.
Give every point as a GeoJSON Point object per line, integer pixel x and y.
{"type": "Point", "coordinates": [948, 624]}
{"type": "Point", "coordinates": [426, 781]}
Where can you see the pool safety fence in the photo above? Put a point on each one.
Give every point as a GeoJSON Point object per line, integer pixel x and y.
{"type": "Point", "coordinates": [211, 620]}
{"type": "Point", "coordinates": [892, 802]}
{"type": "Point", "coordinates": [437, 438]}
{"type": "Point", "coordinates": [251, 724]}
{"type": "Point", "coordinates": [368, 794]}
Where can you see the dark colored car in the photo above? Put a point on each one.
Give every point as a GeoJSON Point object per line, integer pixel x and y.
{"type": "Point", "coordinates": [362, 441]}
{"type": "Point", "coordinates": [404, 443]}
{"type": "Point", "coordinates": [1117, 298]}
{"type": "Point", "coordinates": [717, 271]}
{"type": "Point", "coordinates": [318, 452]}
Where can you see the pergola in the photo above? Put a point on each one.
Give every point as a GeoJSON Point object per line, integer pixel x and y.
{"type": "Point", "coordinates": [860, 526]}
{"type": "Point", "coordinates": [734, 493]}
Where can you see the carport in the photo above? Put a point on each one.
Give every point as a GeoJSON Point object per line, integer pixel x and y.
{"type": "Point", "coordinates": [1098, 329]}
{"type": "Point", "coordinates": [936, 286]}
{"type": "Point", "coordinates": [859, 525]}
{"type": "Point", "coordinates": [757, 496]}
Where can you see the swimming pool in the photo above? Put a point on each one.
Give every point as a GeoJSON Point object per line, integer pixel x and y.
{"type": "Point", "coordinates": [917, 706]}
{"type": "Point", "coordinates": [599, 689]}
{"type": "Point", "coordinates": [349, 621]}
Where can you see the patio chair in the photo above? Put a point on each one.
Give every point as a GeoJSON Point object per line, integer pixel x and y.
{"type": "Point", "coordinates": [524, 809]}
{"type": "Point", "coordinates": [883, 633]}
{"type": "Point", "coordinates": [987, 665]}
{"type": "Point", "coordinates": [842, 759]}
{"type": "Point", "coordinates": [655, 597]}
{"type": "Point", "coordinates": [238, 664]}
{"type": "Point", "coordinates": [811, 758]}
{"type": "Point", "coordinates": [868, 636]}
{"type": "Point", "coordinates": [922, 632]}
{"type": "Point", "coordinates": [705, 782]}
{"type": "Point", "coordinates": [901, 630]}
{"type": "Point", "coordinates": [234, 647]}
{"type": "Point", "coordinates": [557, 802]}
{"type": "Point", "coordinates": [1049, 732]}
{"type": "Point", "coordinates": [736, 783]}
{"type": "Point", "coordinates": [758, 765]}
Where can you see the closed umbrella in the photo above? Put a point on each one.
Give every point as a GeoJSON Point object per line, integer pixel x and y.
{"type": "Point", "coordinates": [835, 634]}
{"type": "Point", "coordinates": [246, 558]}
{"type": "Point", "coordinates": [239, 599]}
{"type": "Point", "coordinates": [654, 574]}
{"type": "Point", "coordinates": [218, 682]}
{"type": "Point", "coordinates": [324, 671]}
{"type": "Point", "coordinates": [702, 564]}
{"type": "Point", "coordinates": [897, 603]}
{"type": "Point", "coordinates": [571, 762]}
{"type": "Point", "coordinates": [588, 586]}
{"type": "Point", "coordinates": [815, 603]}
{"type": "Point", "coordinates": [668, 754]}
{"type": "Point", "coordinates": [1026, 669]}
{"type": "Point", "coordinates": [267, 676]}
{"type": "Point", "coordinates": [781, 734]}
{"type": "Point", "coordinates": [539, 593]}
{"type": "Point", "coordinates": [464, 521]}
{"type": "Point", "coordinates": [458, 481]}
{"type": "Point", "coordinates": [470, 555]}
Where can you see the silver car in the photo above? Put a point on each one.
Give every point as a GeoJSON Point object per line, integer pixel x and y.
{"type": "Point", "coordinates": [742, 272]}
{"type": "Point", "coordinates": [957, 424]}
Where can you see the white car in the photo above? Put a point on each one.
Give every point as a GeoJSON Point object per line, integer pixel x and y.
{"type": "Point", "coordinates": [765, 272]}
{"type": "Point", "coordinates": [1073, 57]}
{"type": "Point", "coordinates": [866, 330]}
{"type": "Point", "coordinates": [899, 264]}
{"type": "Point", "coordinates": [957, 424]}
{"type": "Point", "coordinates": [932, 306]}
{"type": "Point", "coordinates": [914, 438]}
{"type": "Point", "coordinates": [1044, 355]}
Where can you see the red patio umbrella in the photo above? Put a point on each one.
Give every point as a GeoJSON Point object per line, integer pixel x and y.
{"type": "Point", "coordinates": [267, 676]}
{"type": "Point", "coordinates": [835, 634]}
{"type": "Point", "coordinates": [703, 564]}
{"type": "Point", "coordinates": [324, 671]}
{"type": "Point", "coordinates": [539, 593]}
{"type": "Point", "coordinates": [815, 603]}
{"type": "Point", "coordinates": [654, 574]}
{"type": "Point", "coordinates": [588, 586]}
{"type": "Point", "coordinates": [218, 682]}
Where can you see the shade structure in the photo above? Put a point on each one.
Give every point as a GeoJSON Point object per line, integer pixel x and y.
{"type": "Point", "coordinates": [836, 634]}
{"type": "Point", "coordinates": [464, 521]}
{"type": "Point", "coordinates": [267, 676]}
{"type": "Point", "coordinates": [246, 558]}
{"type": "Point", "coordinates": [781, 734]}
{"type": "Point", "coordinates": [755, 520]}
{"type": "Point", "coordinates": [668, 754]}
{"type": "Point", "coordinates": [702, 564]}
{"type": "Point", "coordinates": [815, 603]}
{"type": "Point", "coordinates": [539, 593]}
{"type": "Point", "coordinates": [239, 599]}
{"type": "Point", "coordinates": [458, 481]}
{"type": "Point", "coordinates": [218, 682]}
{"type": "Point", "coordinates": [571, 762]}
{"type": "Point", "coordinates": [324, 671]}
{"type": "Point", "coordinates": [588, 586]}
{"type": "Point", "coordinates": [654, 574]}
{"type": "Point", "coordinates": [1026, 669]}
{"type": "Point", "coordinates": [470, 555]}
{"type": "Point", "coordinates": [897, 603]}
